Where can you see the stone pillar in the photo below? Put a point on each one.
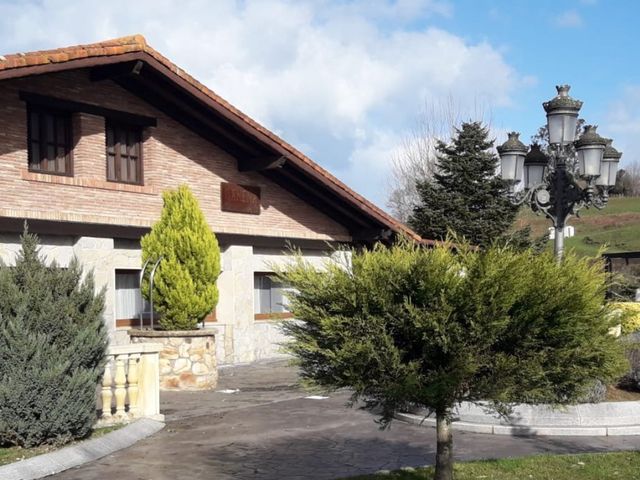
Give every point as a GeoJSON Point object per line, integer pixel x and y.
{"type": "Point", "coordinates": [148, 404]}
{"type": "Point", "coordinates": [243, 315]}
{"type": "Point", "coordinates": [96, 254]}
{"type": "Point", "coordinates": [225, 308]}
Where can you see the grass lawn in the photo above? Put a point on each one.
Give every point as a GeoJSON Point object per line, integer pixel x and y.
{"type": "Point", "coordinates": [13, 454]}
{"type": "Point", "coordinates": [599, 466]}
{"type": "Point", "coordinates": [617, 226]}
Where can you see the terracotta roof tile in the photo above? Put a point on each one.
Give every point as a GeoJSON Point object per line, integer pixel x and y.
{"type": "Point", "coordinates": [137, 43]}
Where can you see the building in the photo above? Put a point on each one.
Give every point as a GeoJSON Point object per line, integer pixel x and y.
{"type": "Point", "coordinates": [91, 135]}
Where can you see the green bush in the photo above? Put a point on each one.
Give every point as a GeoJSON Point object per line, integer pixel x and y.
{"type": "Point", "coordinates": [431, 327]}
{"type": "Point", "coordinates": [628, 314]}
{"type": "Point", "coordinates": [52, 350]}
{"type": "Point", "coordinates": [184, 289]}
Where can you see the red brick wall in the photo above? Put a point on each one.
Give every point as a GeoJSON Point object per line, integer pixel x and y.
{"type": "Point", "coordinates": [172, 155]}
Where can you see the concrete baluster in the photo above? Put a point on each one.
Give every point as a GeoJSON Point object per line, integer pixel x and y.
{"type": "Point", "coordinates": [132, 377]}
{"type": "Point", "coordinates": [120, 380]}
{"type": "Point", "coordinates": [106, 391]}
{"type": "Point", "coordinates": [132, 380]}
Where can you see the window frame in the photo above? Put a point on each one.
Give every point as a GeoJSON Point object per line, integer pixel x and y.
{"type": "Point", "coordinates": [269, 315]}
{"type": "Point", "coordinates": [68, 140]}
{"type": "Point", "coordinates": [116, 125]}
{"type": "Point", "coordinates": [128, 322]}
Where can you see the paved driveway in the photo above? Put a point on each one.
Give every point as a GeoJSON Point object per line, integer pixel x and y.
{"type": "Point", "coordinates": [269, 431]}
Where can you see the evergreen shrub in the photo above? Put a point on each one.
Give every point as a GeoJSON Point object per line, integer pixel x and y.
{"type": "Point", "coordinates": [629, 316]}
{"type": "Point", "coordinates": [184, 288]}
{"type": "Point", "coordinates": [432, 327]}
{"type": "Point", "coordinates": [52, 350]}
{"type": "Point", "coordinates": [465, 195]}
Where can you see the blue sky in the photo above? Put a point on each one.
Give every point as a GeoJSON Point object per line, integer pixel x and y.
{"type": "Point", "coordinates": [348, 81]}
{"type": "Point", "coordinates": [590, 44]}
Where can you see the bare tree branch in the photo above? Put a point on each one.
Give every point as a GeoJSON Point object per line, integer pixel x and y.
{"type": "Point", "coordinates": [633, 171]}
{"type": "Point", "coordinates": [436, 122]}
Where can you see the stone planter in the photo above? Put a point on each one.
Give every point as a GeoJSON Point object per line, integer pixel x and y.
{"type": "Point", "coordinates": [187, 358]}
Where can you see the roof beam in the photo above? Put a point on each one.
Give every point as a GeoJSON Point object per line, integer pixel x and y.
{"type": "Point", "coordinates": [55, 227]}
{"type": "Point", "coordinates": [113, 71]}
{"type": "Point", "coordinates": [318, 204]}
{"type": "Point", "coordinates": [308, 191]}
{"type": "Point", "coordinates": [73, 106]}
{"type": "Point", "coordinates": [182, 110]}
{"type": "Point", "coordinates": [257, 164]}
{"type": "Point", "coordinates": [371, 235]}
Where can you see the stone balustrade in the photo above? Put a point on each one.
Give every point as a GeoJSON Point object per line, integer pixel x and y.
{"type": "Point", "coordinates": [131, 384]}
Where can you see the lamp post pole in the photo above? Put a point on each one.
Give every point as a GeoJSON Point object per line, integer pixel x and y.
{"type": "Point", "coordinates": [550, 185]}
{"type": "Point", "coordinates": [560, 219]}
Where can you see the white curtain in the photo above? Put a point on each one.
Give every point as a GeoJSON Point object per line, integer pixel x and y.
{"type": "Point", "coordinates": [127, 295]}
{"type": "Point", "coordinates": [269, 296]}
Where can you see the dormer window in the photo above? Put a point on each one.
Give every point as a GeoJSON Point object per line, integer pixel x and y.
{"type": "Point", "coordinates": [49, 141]}
{"type": "Point", "coordinates": [124, 153]}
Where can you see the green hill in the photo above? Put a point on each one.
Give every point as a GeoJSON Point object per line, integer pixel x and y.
{"type": "Point", "coordinates": [616, 227]}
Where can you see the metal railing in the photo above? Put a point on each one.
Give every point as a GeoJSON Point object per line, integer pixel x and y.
{"type": "Point", "coordinates": [154, 266]}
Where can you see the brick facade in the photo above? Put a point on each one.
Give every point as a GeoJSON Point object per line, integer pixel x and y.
{"type": "Point", "coordinates": [172, 155]}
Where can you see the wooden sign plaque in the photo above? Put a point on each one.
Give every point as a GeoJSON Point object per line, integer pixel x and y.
{"type": "Point", "coordinates": [240, 198]}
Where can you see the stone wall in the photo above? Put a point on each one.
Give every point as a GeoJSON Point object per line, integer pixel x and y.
{"type": "Point", "coordinates": [239, 336]}
{"type": "Point", "coordinates": [102, 256]}
{"type": "Point", "coordinates": [187, 358]}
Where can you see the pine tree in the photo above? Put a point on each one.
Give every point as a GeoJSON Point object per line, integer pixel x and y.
{"type": "Point", "coordinates": [184, 289]}
{"type": "Point", "coordinates": [408, 326]}
{"type": "Point", "coordinates": [465, 195]}
{"type": "Point", "coordinates": [52, 350]}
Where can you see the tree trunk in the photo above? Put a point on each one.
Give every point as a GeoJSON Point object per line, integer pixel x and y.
{"type": "Point", "coordinates": [444, 455]}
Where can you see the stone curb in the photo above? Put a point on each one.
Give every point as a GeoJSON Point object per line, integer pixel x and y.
{"type": "Point", "coordinates": [81, 453]}
{"type": "Point", "coordinates": [524, 431]}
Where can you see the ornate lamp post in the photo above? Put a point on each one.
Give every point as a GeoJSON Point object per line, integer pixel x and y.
{"type": "Point", "coordinates": [549, 186]}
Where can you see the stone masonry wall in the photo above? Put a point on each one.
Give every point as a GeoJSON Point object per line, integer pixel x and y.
{"type": "Point", "coordinates": [187, 359]}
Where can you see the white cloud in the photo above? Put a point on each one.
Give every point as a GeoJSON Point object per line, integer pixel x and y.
{"type": "Point", "coordinates": [341, 80]}
{"type": "Point", "coordinates": [368, 164]}
{"type": "Point", "coordinates": [568, 19]}
{"type": "Point", "coordinates": [623, 123]}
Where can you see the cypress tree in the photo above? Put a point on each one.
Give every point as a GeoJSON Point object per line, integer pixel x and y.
{"type": "Point", "coordinates": [184, 289]}
{"type": "Point", "coordinates": [465, 195]}
{"type": "Point", "coordinates": [52, 350]}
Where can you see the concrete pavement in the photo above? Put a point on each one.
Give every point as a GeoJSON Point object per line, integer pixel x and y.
{"type": "Point", "coordinates": [268, 431]}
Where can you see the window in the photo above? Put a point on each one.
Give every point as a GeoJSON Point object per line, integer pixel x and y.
{"type": "Point", "coordinates": [128, 305]}
{"type": "Point", "coordinates": [49, 141]}
{"type": "Point", "coordinates": [269, 297]}
{"type": "Point", "coordinates": [124, 153]}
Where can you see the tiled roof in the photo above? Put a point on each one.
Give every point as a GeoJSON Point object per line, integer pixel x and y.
{"type": "Point", "coordinates": [34, 62]}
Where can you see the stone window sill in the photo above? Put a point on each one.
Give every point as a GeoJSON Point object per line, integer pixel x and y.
{"type": "Point", "coordinates": [272, 317]}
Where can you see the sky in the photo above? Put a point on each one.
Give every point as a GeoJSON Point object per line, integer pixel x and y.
{"type": "Point", "coordinates": [347, 82]}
